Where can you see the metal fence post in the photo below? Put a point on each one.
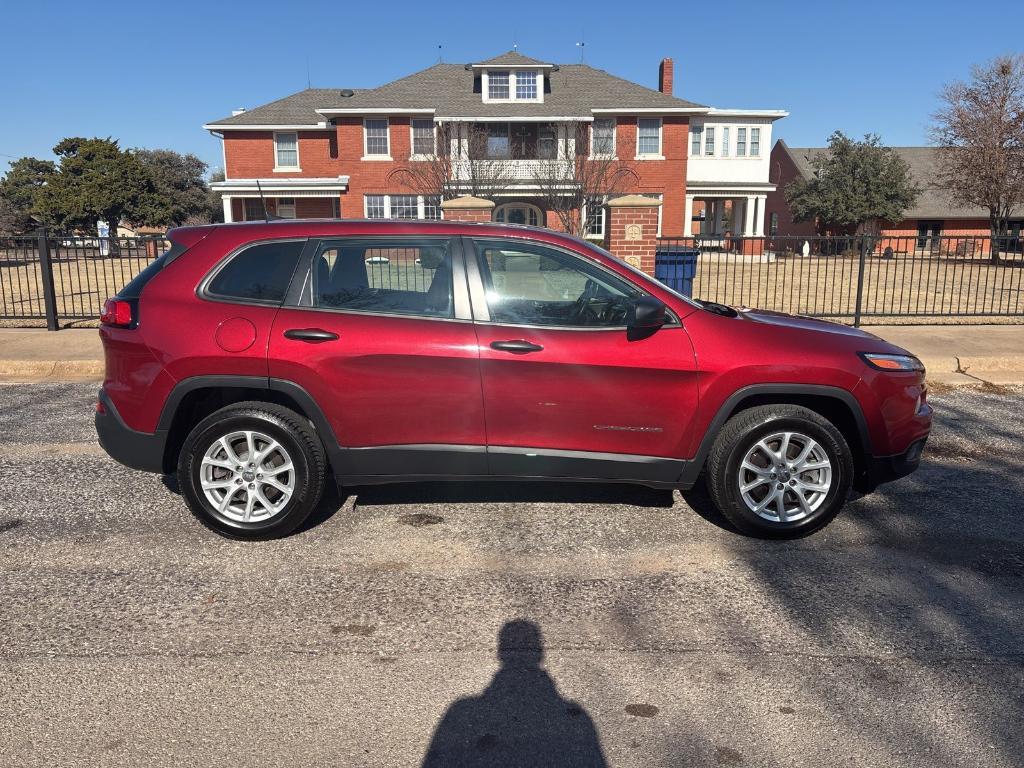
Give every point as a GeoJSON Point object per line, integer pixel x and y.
{"type": "Point", "coordinates": [860, 282]}
{"type": "Point", "coordinates": [46, 270]}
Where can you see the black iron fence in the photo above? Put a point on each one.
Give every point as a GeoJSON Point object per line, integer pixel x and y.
{"type": "Point", "coordinates": [859, 280]}
{"type": "Point", "coordinates": [62, 278]}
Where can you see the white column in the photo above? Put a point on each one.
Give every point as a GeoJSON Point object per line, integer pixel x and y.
{"type": "Point", "coordinates": [748, 216]}
{"type": "Point", "coordinates": [688, 217]}
{"type": "Point", "coordinates": [759, 218]}
{"type": "Point", "coordinates": [719, 210]}
{"type": "Point", "coordinates": [227, 208]}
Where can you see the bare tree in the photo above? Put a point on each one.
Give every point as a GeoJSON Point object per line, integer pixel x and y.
{"type": "Point", "coordinates": [980, 131]}
{"type": "Point", "coordinates": [567, 185]}
{"type": "Point", "coordinates": [471, 169]}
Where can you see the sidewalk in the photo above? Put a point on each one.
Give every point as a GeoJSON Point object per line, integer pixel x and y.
{"type": "Point", "coordinates": [953, 354]}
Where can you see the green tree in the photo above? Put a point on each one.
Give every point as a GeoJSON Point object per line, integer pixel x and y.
{"type": "Point", "coordinates": [180, 192]}
{"type": "Point", "coordinates": [18, 190]}
{"type": "Point", "coordinates": [855, 183]}
{"type": "Point", "coordinates": [96, 180]}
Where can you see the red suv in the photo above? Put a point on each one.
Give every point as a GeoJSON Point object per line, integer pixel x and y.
{"type": "Point", "coordinates": [256, 361]}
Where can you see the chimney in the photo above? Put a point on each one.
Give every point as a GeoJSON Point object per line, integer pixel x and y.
{"type": "Point", "coordinates": [665, 76]}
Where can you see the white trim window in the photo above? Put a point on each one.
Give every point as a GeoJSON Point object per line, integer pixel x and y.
{"type": "Point", "coordinates": [709, 141]}
{"type": "Point", "coordinates": [741, 142]}
{"type": "Point", "coordinates": [498, 85]}
{"type": "Point", "coordinates": [755, 142]}
{"type": "Point", "coordinates": [286, 207]}
{"type": "Point", "coordinates": [602, 137]}
{"type": "Point", "coordinates": [526, 86]}
{"type": "Point", "coordinates": [594, 213]}
{"type": "Point", "coordinates": [648, 137]}
{"type": "Point", "coordinates": [725, 141]}
{"type": "Point", "coordinates": [423, 140]}
{"type": "Point", "coordinates": [402, 206]}
{"type": "Point", "coordinates": [286, 151]}
{"type": "Point", "coordinates": [376, 143]}
{"type": "Point", "coordinates": [696, 139]}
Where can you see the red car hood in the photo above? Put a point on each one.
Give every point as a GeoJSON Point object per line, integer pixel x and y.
{"type": "Point", "coordinates": [803, 323]}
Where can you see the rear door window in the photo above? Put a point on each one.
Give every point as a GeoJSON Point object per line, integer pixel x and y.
{"type": "Point", "coordinates": [260, 273]}
{"type": "Point", "coordinates": [399, 276]}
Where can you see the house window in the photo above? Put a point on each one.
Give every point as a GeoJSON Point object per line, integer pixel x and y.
{"type": "Point", "coordinates": [648, 136]}
{"type": "Point", "coordinates": [377, 137]}
{"type": "Point", "coordinates": [725, 141]}
{"type": "Point", "coordinates": [755, 142]}
{"type": "Point", "coordinates": [602, 138]}
{"type": "Point", "coordinates": [253, 209]}
{"type": "Point", "coordinates": [709, 141]}
{"type": "Point", "coordinates": [286, 207]}
{"type": "Point", "coordinates": [518, 213]}
{"type": "Point", "coordinates": [595, 212]}
{"type": "Point", "coordinates": [928, 234]}
{"type": "Point", "coordinates": [497, 85]}
{"type": "Point", "coordinates": [526, 85]}
{"type": "Point", "coordinates": [741, 142]}
{"type": "Point", "coordinates": [286, 151]}
{"type": "Point", "coordinates": [402, 207]}
{"type": "Point", "coordinates": [547, 142]}
{"type": "Point", "coordinates": [376, 207]}
{"type": "Point", "coordinates": [497, 140]}
{"type": "Point", "coordinates": [696, 139]}
{"type": "Point", "coordinates": [423, 137]}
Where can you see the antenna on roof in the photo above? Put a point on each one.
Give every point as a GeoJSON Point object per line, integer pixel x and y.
{"type": "Point", "coordinates": [308, 82]}
{"type": "Point", "coordinates": [440, 55]}
{"type": "Point", "coordinates": [582, 46]}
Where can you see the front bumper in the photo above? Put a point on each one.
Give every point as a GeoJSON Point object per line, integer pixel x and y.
{"type": "Point", "coordinates": [885, 469]}
{"type": "Point", "coordinates": [137, 450]}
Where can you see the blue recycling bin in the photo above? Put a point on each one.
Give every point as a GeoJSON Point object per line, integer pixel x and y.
{"type": "Point", "coordinates": [676, 268]}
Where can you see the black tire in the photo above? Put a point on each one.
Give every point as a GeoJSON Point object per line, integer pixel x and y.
{"type": "Point", "coordinates": [741, 433]}
{"type": "Point", "coordinates": [295, 435]}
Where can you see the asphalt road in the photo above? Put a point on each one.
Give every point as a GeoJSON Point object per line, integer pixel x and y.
{"type": "Point", "coordinates": [130, 635]}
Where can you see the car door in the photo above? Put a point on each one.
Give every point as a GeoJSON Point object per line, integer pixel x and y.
{"type": "Point", "coordinates": [567, 390]}
{"type": "Point", "coordinates": [378, 331]}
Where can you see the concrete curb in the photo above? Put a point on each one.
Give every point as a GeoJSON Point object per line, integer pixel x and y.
{"type": "Point", "coordinates": [32, 371]}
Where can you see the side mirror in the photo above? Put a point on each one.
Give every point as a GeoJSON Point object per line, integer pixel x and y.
{"type": "Point", "coordinates": [646, 312]}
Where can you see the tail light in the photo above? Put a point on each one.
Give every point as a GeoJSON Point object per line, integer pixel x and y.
{"type": "Point", "coordinates": [118, 312]}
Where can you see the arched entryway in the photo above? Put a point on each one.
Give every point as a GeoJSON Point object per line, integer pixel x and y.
{"type": "Point", "coordinates": [519, 213]}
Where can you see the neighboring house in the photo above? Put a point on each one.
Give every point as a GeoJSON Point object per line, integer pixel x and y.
{"type": "Point", "coordinates": [329, 152]}
{"type": "Point", "coordinates": [932, 216]}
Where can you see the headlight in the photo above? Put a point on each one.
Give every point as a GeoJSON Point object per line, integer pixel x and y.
{"type": "Point", "coordinates": [892, 362]}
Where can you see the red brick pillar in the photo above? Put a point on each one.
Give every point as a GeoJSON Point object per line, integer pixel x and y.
{"type": "Point", "coordinates": [633, 230]}
{"type": "Point", "coordinates": [467, 208]}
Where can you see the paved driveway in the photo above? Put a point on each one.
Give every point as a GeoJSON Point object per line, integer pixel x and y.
{"type": "Point", "coordinates": [509, 624]}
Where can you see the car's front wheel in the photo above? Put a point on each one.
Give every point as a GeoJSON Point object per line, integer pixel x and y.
{"type": "Point", "coordinates": [252, 470]}
{"type": "Point", "coordinates": [779, 471]}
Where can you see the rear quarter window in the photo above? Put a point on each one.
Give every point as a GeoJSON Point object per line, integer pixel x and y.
{"type": "Point", "coordinates": [260, 273]}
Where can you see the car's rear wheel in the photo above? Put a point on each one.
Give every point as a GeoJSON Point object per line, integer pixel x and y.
{"type": "Point", "coordinates": [779, 471]}
{"type": "Point", "coordinates": [252, 470]}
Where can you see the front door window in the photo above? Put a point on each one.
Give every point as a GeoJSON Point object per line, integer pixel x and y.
{"type": "Point", "coordinates": [518, 213]}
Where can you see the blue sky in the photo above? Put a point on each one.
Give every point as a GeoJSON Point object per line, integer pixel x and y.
{"type": "Point", "coordinates": [150, 74]}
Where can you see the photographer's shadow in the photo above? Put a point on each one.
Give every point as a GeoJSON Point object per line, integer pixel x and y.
{"type": "Point", "coordinates": [520, 719]}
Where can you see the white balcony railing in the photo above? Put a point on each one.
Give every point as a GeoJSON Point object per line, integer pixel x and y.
{"type": "Point", "coordinates": [514, 170]}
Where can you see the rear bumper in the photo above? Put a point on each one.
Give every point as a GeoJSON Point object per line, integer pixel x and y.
{"type": "Point", "coordinates": [885, 469]}
{"type": "Point", "coordinates": [137, 450]}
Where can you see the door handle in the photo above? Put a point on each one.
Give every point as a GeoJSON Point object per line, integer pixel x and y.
{"type": "Point", "coordinates": [312, 335]}
{"type": "Point", "coordinates": [517, 346]}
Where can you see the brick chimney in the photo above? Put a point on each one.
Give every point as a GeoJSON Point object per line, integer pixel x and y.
{"type": "Point", "coordinates": [665, 76]}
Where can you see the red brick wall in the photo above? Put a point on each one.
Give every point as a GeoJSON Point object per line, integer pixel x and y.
{"type": "Point", "coordinates": [468, 214]}
{"type": "Point", "coordinates": [781, 173]}
{"type": "Point", "coordinates": [250, 154]}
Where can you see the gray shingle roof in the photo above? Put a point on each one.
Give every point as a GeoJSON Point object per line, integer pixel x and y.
{"type": "Point", "coordinates": [513, 59]}
{"type": "Point", "coordinates": [572, 90]}
{"type": "Point", "coordinates": [934, 201]}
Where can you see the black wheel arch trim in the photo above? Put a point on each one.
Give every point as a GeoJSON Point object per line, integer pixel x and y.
{"type": "Point", "coordinates": [693, 469]}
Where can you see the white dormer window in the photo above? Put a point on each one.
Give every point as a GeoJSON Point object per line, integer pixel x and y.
{"type": "Point", "coordinates": [512, 85]}
{"type": "Point", "coordinates": [497, 85]}
{"type": "Point", "coordinates": [526, 86]}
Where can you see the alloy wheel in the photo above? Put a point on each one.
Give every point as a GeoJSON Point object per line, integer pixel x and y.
{"type": "Point", "coordinates": [785, 477]}
{"type": "Point", "coordinates": [247, 476]}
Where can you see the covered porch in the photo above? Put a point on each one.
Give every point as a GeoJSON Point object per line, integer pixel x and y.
{"type": "Point", "coordinates": [715, 211]}
{"type": "Point", "coordinates": [243, 199]}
